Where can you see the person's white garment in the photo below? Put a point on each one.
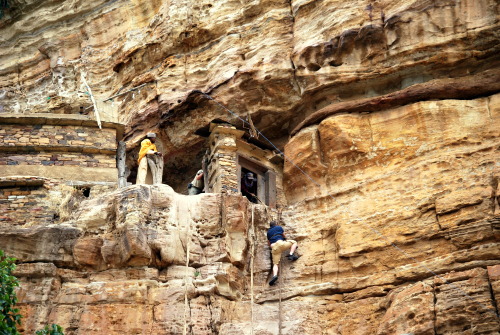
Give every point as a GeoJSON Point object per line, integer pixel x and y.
{"type": "Point", "coordinates": [142, 172]}
{"type": "Point", "coordinates": [198, 182]}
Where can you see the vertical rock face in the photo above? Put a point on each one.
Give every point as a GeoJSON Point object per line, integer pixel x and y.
{"type": "Point", "coordinates": [391, 177]}
{"type": "Point", "coordinates": [127, 260]}
{"type": "Point", "coordinates": [277, 60]}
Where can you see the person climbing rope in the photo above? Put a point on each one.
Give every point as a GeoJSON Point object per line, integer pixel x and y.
{"type": "Point", "coordinates": [249, 187]}
{"type": "Point", "coordinates": [277, 241]}
{"type": "Point", "coordinates": [196, 186]}
{"type": "Point", "coordinates": [147, 148]}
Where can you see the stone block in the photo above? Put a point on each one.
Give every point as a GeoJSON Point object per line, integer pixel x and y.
{"type": "Point", "coordinates": [87, 251]}
{"type": "Point", "coordinates": [114, 319]}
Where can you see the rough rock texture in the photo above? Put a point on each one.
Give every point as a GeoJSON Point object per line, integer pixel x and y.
{"type": "Point", "coordinates": [398, 228]}
{"type": "Point", "coordinates": [279, 60]}
{"type": "Point", "coordinates": [404, 194]}
{"type": "Point", "coordinates": [118, 266]}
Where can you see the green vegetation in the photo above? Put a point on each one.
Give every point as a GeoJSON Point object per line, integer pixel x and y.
{"type": "Point", "coordinates": [9, 316]}
{"type": "Point", "coordinates": [52, 330]}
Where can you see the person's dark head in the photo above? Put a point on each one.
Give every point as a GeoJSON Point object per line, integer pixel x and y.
{"type": "Point", "coordinates": [249, 176]}
{"type": "Point", "coordinates": [273, 224]}
{"type": "Point", "coordinates": [151, 137]}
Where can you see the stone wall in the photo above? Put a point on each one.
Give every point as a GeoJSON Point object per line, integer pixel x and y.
{"type": "Point", "coordinates": [38, 201]}
{"type": "Point", "coordinates": [58, 147]}
{"type": "Point", "coordinates": [59, 159]}
{"type": "Point", "coordinates": [25, 204]}
{"type": "Point", "coordinates": [222, 165]}
{"type": "Point", "coordinates": [228, 151]}
{"type": "Point", "coordinates": [61, 136]}
{"type": "Point", "coordinates": [26, 201]}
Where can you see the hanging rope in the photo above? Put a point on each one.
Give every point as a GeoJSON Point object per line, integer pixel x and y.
{"type": "Point", "coordinates": [96, 111]}
{"type": "Point", "coordinates": [252, 256]}
{"type": "Point", "coordinates": [188, 242]}
{"type": "Point", "coordinates": [253, 132]}
{"type": "Point", "coordinates": [280, 321]}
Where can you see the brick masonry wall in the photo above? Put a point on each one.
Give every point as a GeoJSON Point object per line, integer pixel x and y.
{"type": "Point", "coordinates": [59, 159]}
{"type": "Point", "coordinates": [52, 135]}
{"type": "Point", "coordinates": [24, 204]}
{"type": "Point", "coordinates": [25, 200]}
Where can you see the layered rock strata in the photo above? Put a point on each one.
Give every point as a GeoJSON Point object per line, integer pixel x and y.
{"type": "Point", "coordinates": [393, 107]}
{"type": "Point", "coordinates": [278, 60]}
{"type": "Point", "coordinates": [145, 260]}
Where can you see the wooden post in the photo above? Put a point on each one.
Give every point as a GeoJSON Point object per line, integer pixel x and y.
{"type": "Point", "coordinates": [120, 164]}
{"type": "Point", "coordinates": [204, 167]}
{"type": "Point", "coordinates": [270, 178]}
{"type": "Point", "coordinates": [261, 187]}
{"type": "Point", "coordinates": [155, 163]}
{"type": "Point", "coordinates": [96, 112]}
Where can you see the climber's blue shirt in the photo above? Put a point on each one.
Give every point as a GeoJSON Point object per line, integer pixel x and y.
{"type": "Point", "coordinates": [275, 234]}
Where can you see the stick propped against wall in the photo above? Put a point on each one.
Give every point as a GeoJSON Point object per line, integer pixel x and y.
{"type": "Point", "coordinates": [96, 112]}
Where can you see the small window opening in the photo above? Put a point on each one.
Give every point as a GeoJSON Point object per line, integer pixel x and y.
{"type": "Point", "coordinates": [86, 191]}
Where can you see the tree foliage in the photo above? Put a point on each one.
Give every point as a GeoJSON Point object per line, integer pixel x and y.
{"type": "Point", "coordinates": [9, 316]}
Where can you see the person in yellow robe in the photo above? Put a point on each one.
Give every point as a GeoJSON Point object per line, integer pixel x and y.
{"type": "Point", "coordinates": [147, 148]}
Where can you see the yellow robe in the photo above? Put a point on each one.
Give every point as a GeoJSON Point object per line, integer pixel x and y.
{"type": "Point", "coordinates": [146, 145]}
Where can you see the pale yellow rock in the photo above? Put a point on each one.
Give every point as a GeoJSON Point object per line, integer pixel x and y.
{"type": "Point", "coordinates": [396, 197]}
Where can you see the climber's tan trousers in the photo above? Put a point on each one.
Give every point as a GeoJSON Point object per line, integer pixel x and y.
{"type": "Point", "coordinates": [278, 247]}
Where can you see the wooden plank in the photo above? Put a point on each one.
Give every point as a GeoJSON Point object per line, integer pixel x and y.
{"type": "Point", "coordinates": [261, 188]}
{"type": "Point", "coordinates": [270, 181]}
{"type": "Point", "coordinates": [120, 164]}
{"type": "Point", "coordinates": [204, 167]}
{"type": "Point", "coordinates": [96, 112]}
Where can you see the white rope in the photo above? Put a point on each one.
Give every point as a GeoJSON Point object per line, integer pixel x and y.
{"type": "Point", "coordinates": [280, 321]}
{"type": "Point", "coordinates": [96, 112]}
{"type": "Point", "coordinates": [188, 240]}
{"type": "Point", "coordinates": [252, 256]}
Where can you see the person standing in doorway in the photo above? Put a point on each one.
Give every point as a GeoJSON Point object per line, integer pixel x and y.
{"type": "Point", "coordinates": [249, 187]}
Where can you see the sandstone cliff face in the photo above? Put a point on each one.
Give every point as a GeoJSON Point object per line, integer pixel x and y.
{"type": "Point", "coordinates": [278, 60]}
{"type": "Point", "coordinates": [142, 260]}
{"type": "Point", "coordinates": [145, 260]}
{"type": "Point", "coordinates": [403, 194]}
{"type": "Point", "coordinates": [400, 236]}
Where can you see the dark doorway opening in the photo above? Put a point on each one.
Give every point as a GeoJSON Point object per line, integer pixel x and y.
{"type": "Point", "coordinates": [248, 185]}
{"type": "Point", "coordinates": [265, 181]}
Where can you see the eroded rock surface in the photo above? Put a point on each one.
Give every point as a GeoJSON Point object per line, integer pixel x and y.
{"type": "Point", "coordinates": [280, 61]}
{"type": "Point", "coordinates": [145, 260]}
{"type": "Point", "coordinates": [398, 227]}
